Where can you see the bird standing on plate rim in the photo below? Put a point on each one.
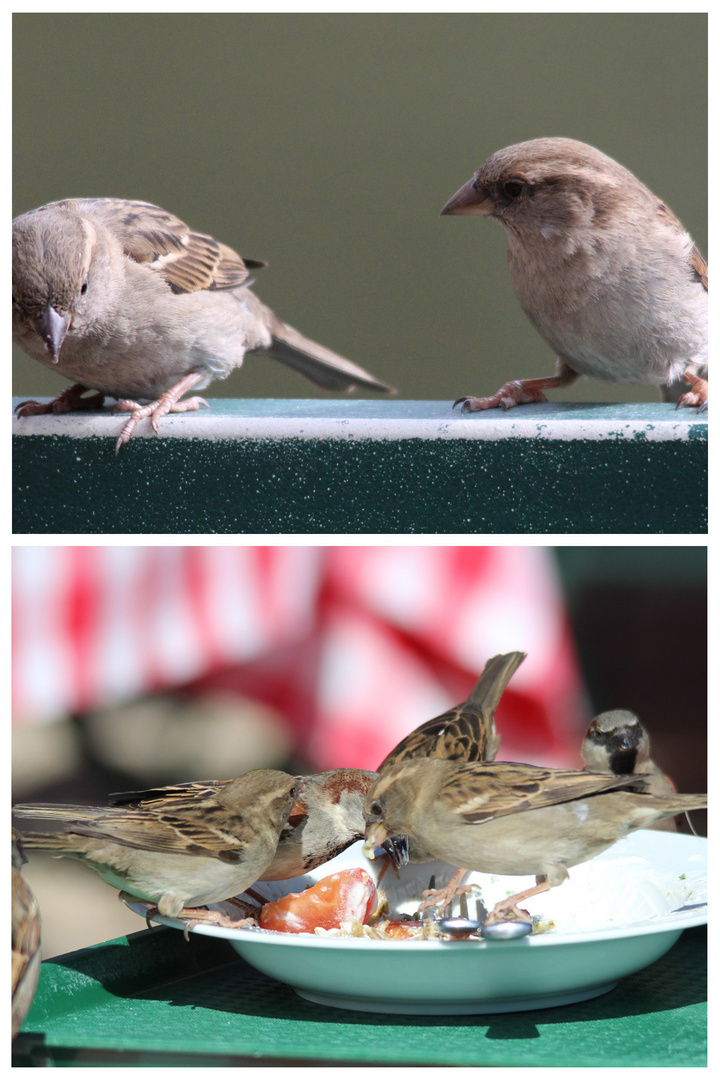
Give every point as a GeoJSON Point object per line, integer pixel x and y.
{"type": "Point", "coordinates": [326, 818]}
{"type": "Point", "coordinates": [616, 742]}
{"type": "Point", "coordinates": [124, 299]}
{"type": "Point", "coordinates": [603, 269]}
{"type": "Point", "coordinates": [511, 818]}
{"type": "Point", "coordinates": [189, 848]}
{"type": "Point", "coordinates": [464, 733]}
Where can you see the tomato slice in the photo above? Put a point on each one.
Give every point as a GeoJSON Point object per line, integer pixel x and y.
{"type": "Point", "coordinates": [348, 894]}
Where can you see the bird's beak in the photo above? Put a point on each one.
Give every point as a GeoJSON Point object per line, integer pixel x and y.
{"type": "Point", "coordinates": [298, 811]}
{"type": "Point", "coordinates": [52, 328]}
{"type": "Point", "coordinates": [375, 836]}
{"type": "Point", "coordinates": [470, 199]}
{"type": "Point", "coordinates": [397, 849]}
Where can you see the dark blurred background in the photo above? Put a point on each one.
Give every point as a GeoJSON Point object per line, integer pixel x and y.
{"type": "Point", "coordinates": [327, 145]}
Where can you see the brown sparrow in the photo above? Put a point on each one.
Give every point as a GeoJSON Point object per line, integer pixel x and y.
{"type": "Point", "coordinates": [602, 268]}
{"type": "Point", "coordinates": [465, 733]}
{"type": "Point", "coordinates": [180, 851]}
{"type": "Point", "coordinates": [124, 299]}
{"type": "Point", "coordinates": [616, 742]}
{"type": "Point", "coordinates": [510, 818]}
{"type": "Point", "coordinates": [326, 818]}
{"type": "Point", "coordinates": [25, 939]}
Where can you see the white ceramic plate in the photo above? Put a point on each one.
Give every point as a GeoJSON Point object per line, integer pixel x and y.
{"type": "Point", "coordinates": [618, 913]}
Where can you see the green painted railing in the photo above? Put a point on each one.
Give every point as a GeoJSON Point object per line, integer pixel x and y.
{"type": "Point", "coordinates": [345, 467]}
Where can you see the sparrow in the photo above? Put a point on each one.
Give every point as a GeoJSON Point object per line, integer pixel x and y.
{"type": "Point", "coordinates": [180, 851]}
{"type": "Point", "coordinates": [125, 299]}
{"type": "Point", "coordinates": [616, 742]}
{"type": "Point", "coordinates": [465, 733]}
{"type": "Point", "coordinates": [326, 818]}
{"type": "Point", "coordinates": [25, 939]}
{"type": "Point", "coordinates": [603, 269]}
{"type": "Point", "coordinates": [511, 818]}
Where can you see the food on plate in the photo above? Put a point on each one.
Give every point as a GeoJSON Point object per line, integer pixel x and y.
{"type": "Point", "coordinates": [385, 930]}
{"type": "Point", "coordinates": [348, 895]}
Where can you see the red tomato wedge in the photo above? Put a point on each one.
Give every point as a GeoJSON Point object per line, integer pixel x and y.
{"type": "Point", "coordinates": [349, 894]}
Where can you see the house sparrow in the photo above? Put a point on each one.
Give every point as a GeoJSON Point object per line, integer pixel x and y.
{"type": "Point", "coordinates": [25, 939]}
{"type": "Point", "coordinates": [465, 733]}
{"type": "Point", "coordinates": [616, 742]}
{"type": "Point", "coordinates": [510, 818]}
{"type": "Point", "coordinates": [186, 849]}
{"type": "Point", "coordinates": [602, 268]}
{"type": "Point", "coordinates": [326, 817]}
{"type": "Point", "coordinates": [123, 298]}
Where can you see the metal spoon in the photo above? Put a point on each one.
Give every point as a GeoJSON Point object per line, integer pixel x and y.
{"type": "Point", "coordinates": [461, 925]}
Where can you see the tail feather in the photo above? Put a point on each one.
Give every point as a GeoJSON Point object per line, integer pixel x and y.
{"type": "Point", "coordinates": [320, 365]}
{"type": "Point", "coordinates": [669, 805]}
{"type": "Point", "coordinates": [56, 841]}
{"type": "Point", "coordinates": [496, 674]}
{"type": "Point", "coordinates": [61, 812]}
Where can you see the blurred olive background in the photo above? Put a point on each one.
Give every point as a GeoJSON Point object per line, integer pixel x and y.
{"type": "Point", "coordinates": [327, 145]}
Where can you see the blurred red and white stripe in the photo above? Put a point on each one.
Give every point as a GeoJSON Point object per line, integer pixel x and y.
{"type": "Point", "coordinates": [354, 646]}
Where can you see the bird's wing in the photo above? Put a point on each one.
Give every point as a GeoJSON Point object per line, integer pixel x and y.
{"type": "Point", "coordinates": [698, 264]}
{"type": "Point", "coordinates": [481, 791]}
{"type": "Point", "coordinates": [186, 825]}
{"type": "Point", "coordinates": [189, 261]}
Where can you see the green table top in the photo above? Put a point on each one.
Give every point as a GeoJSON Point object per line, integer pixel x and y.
{"type": "Point", "coordinates": [154, 999]}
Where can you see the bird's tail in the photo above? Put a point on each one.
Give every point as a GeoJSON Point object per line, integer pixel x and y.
{"type": "Point", "coordinates": [669, 805]}
{"type": "Point", "coordinates": [57, 811]}
{"type": "Point", "coordinates": [54, 841]}
{"type": "Point", "coordinates": [322, 366]}
{"type": "Point", "coordinates": [497, 673]}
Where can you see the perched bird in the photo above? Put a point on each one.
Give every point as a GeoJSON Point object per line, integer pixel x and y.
{"type": "Point", "coordinates": [616, 742]}
{"type": "Point", "coordinates": [124, 299]}
{"type": "Point", "coordinates": [465, 733]}
{"type": "Point", "coordinates": [510, 818]}
{"type": "Point", "coordinates": [326, 818]}
{"type": "Point", "coordinates": [180, 851]}
{"type": "Point", "coordinates": [603, 269]}
{"type": "Point", "coordinates": [25, 939]}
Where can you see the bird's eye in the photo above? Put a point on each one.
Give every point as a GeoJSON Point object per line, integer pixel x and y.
{"type": "Point", "coordinates": [513, 188]}
{"type": "Point", "coordinates": [376, 809]}
{"type": "Point", "coordinates": [84, 288]}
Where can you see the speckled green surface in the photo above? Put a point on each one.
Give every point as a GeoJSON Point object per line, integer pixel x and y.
{"type": "Point", "coordinates": [152, 998]}
{"type": "Point", "coordinates": [446, 484]}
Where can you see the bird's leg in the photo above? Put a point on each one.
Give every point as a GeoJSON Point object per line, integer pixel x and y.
{"type": "Point", "coordinates": [697, 394]}
{"type": "Point", "coordinates": [440, 898]}
{"type": "Point", "coordinates": [214, 918]}
{"type": "Point", "coordinates": [520, 391]}
{"type": "Point", "coordinates": [204, 915]}
{"type": "Point", "coordinates": [166, 403]}
{"type": "Point", "coordinates": [508, 911]}
{"type": "Point", "coordinates": [70, 399]}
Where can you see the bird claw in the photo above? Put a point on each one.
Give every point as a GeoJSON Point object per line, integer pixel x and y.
{"type": "Point", "coordinates": [155, 410]}
{"type": "Point", "coordinates": [440, 898]}
{"type": "Point", "coordinates": [504, 912]}
{"type": "Point", "coordinates": [511, 394]}
{"type": "Point", "coordinates": [697, 395]}
{"type": "Point", "coordinates": [69, 400]}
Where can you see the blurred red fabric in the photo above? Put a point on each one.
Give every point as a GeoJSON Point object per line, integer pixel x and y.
{"type": "Point", "coordinates": [353, 645]}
